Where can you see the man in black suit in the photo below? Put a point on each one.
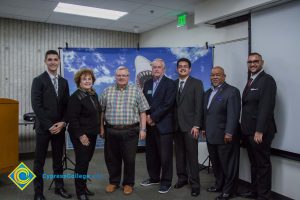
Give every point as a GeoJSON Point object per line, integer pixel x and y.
{"type": "Point", "coordinates": [258, 126]}
{"type": "Point", "coordinates": [160, 93]}
{"type": "Point", "coordinates": [49, 98]}
{"type": "Point", "coordinates": [222, 104]}
{"type": "Point", "coordinates": [188, 120]}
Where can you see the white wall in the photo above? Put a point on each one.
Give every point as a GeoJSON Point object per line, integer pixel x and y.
{"type": "Point", "coordinates": [213, 10]}
{"type": "Point", "coordinates": [22, 48]}
{"type": "Point", "coordinates": [171, 36]}
{"type": "Point", "coordinates": [286, 173]}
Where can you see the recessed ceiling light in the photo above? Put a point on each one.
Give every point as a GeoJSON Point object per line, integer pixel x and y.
{"type": "Point", "coordinates": [88, 11]}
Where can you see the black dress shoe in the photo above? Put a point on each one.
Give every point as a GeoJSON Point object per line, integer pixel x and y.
{"type": "Point", "coordinates": [224, 196]}
{"type": "Point", "coordinates": [213, 189]}
{"type": "Point", "coordinates": [82, 197]}
{"type": "Point", "coordinates": [249, 195]}
{"type": "Point", "coordinates": [88, 192]}
{"type": "Point", "coordinates": [180, 184]}
{"type": "Point", "coordinates": [195, 192]}
{"type": "Point", "coordinates": [39, 197]}
{"type": "Point", "coordinates": [63, 193]}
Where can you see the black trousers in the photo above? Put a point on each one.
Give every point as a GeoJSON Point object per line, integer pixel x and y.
{"type": "Point", "coordinates": [41, 148]}
{"type": "Point", "coordinates": [187, 165]}
{"type": "Point", "coordinates": [225, 164]}
{"type": "Point", "coordinates": [121, 145]}
{"type": "Point", "coordinates": [261, 167]}
{"type": "Point", "coordinates": [159, 156]}
{"type": "Point", "coordinates": [83, 156]}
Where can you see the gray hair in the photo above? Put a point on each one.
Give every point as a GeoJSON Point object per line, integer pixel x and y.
{"type": "Point", "coordinates": [220, 68]}
{"type": "Point", "coordinates": [122, 68]}
{"type": "Point", "coordinates": [159, 60]}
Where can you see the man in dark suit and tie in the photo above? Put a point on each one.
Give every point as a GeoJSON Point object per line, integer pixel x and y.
{"type": "Point", "coordinates": [222, 104]}
{"type": "Point", "coordinates": [258, 126]}
{"type": "Point", "coordinates": [49, 98]}
{"type": "Point", "coordinates": [160, 93]}
{"type": "Point", "coordinates": [188, 120]}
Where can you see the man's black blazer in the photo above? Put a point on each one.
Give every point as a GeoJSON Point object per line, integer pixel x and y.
{"type": "Point", "coordinates": [161, 103]}
{"type": "Point", "coordinates": [189, 105]}
{"type": "Point", "coordinates": [258, 103]}
{"type": "Point", "coordinates": [48, 107]}
{"type": "Point", "coordinates": [223, 114]}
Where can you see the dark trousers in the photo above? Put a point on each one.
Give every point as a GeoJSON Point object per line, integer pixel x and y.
{"type": "Point", "coordinates": [41, 148]}
{"type": "Point", "coordinates": [225, 164]}
{"type": "Point", "coordinates": [159, 156]}
{"type": "Point", "coordinates": [121, 145]}
{"type": "Point", "coordinates": [83, 156]}
{"type": "Point", "coordinates": [261, 167]}
{"type": "Point", "coordinates": [187, 165]}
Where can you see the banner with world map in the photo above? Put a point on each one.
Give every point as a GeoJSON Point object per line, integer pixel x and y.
{"type": "Point", "coordinates": [104, 62]}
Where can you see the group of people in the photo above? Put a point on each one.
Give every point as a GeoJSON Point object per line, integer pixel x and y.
{"type": "Point", "coordinates": [163, 113]}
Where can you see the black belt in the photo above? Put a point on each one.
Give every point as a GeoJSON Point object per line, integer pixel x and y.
{"type": "Point", "coordinates": [121, 127]}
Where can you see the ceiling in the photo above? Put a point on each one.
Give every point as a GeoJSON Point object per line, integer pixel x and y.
{"type": "Point", "coordinates": [143, 15]}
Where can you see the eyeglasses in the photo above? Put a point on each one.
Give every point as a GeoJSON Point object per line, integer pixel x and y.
{"type": "Point", "coordinates": [253, 62]}
{"type": "Point", "coordinates": [122, 75]}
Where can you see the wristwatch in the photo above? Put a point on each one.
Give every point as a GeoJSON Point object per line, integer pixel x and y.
{"type": "Point", "coordinates": [143, 129]}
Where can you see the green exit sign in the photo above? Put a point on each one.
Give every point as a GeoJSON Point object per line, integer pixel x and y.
{"type": "Point", "coordinates": [181, 20]}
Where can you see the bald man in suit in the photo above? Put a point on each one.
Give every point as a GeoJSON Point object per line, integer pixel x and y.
{"type": "Point", "coordinates": [222, 104]}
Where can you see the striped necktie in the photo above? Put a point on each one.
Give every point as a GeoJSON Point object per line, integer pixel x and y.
{"type": "Point", "coordinates": [180, 88]}
{"type": "Point", "coordinates": [55, 83]}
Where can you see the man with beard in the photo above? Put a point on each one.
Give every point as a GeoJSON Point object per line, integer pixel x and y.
{"type": "Point", "coordinates": [258, 126]}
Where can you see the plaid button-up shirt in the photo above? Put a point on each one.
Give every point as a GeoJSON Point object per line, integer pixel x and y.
{"type": "Point", "coordinates": [123, 107]}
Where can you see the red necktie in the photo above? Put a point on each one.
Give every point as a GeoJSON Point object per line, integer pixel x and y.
{"type": "Point", "coordinates": [249, 82]}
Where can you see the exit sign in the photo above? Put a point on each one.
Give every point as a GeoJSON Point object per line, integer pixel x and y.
{"type": "Point", "coordinates": [181, 20]}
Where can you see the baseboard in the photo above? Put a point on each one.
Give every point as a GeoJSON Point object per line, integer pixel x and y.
{"type": "Point", "coordinates": [275, 195]}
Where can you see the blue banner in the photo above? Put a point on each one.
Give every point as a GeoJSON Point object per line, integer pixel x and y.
{"type": "Point", "coordinates": [104, 62]}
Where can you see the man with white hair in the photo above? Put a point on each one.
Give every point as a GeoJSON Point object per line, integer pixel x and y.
{"type": "Point", "coordinates": [160, 92]}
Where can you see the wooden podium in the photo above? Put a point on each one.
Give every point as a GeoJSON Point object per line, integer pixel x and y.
{"type": "Point", "coordinates": [9, 135]}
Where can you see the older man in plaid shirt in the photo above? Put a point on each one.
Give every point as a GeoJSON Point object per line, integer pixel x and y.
{"type": "Point", "coordinates": [124, 118]}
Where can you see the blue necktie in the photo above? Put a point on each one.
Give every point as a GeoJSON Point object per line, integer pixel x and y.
{"type": "Point", "coordinates": [155, 84]}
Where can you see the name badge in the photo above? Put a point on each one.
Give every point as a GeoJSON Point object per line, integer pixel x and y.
{"type": "Point", "coordinates": [149, 92]}
{"type": "Point", "coordinates": [253, 89]}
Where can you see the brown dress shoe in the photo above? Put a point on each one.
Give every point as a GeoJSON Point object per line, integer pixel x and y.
{"type": "Point", "coordinates": [111, 188]}
{"type": "Point", "coordinates": [127, 189]}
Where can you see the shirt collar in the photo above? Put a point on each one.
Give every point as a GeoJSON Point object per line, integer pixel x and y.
{"type": "Point", "coordinates": [184, 80]}
{"type": "Point", "coordinates": [216, 88]}
{"type": "Point", "coordinates": [52, 76]}
{"type": "Point", "coordinates": [118, 88]}
{"type": "Point", "coordinates": [255, 75]}
{"type": "Point", "coordinates": [157, 80]}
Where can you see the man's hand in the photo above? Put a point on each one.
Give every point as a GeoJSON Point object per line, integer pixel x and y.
{"type": "Point", "coordinates": [142, 135]}
{"type": "Point", "coordinates": [57, 127]}
{"type": "Point", "coordinates": [149, 121]}
{"type": "Point", "coordinates": [227, 138]}
{"type": "Point", "coordinates": [258, 137]}
{"type": "Point", "coordinates": [102, 132]}
{"type": "Point", "coordinates": [84, 140]}
{"type": "Point", "coordinates": [195, 132]}
{"type": "Point", "coordinates": [203, 133]}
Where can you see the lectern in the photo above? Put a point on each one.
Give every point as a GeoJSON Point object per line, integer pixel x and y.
{"type": "Point", "coordinates": [9, 135]}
